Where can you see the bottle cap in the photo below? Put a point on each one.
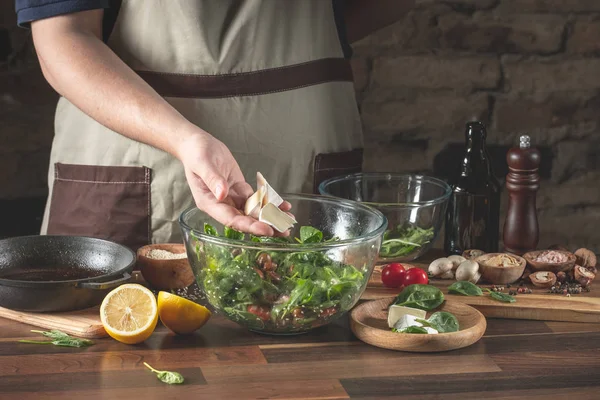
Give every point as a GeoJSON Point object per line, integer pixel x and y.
{"type": "Point", "coordinates": [524, 141]}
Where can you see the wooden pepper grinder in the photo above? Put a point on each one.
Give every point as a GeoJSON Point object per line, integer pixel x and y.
{"type": "Point", "coordinates": [521, 230]}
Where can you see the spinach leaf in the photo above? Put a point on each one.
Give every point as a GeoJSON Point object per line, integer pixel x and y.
{"type": "Point", "coordinates": [167, 376]}
{"type": "Point", "coordinates": [441, 321]}
{"type": "Point", "coordinates": [465, 288]}
{"type": "Point", "coordinates": [404, 239]}
{"type": "Point", "coordinates": [231, 233]}
{"type": "Point", "coordinates": [60, 339]}
{"type": "Point", "coordinates": [210, 230]}
{"type": "Point", "coordinates": [308, 234]}
{"type": "Point", "coordinates": [503, 297]}
{"type": "Point", "coordinates": [411, 329]}
{"type": "Point", "coordinates": [424, 297]}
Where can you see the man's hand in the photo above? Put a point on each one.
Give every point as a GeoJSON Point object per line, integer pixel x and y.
{"type": "Point", "coordinates": [218, 185]}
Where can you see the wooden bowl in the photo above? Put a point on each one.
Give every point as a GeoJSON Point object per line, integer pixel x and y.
{"type": "Point", "coordinates": [369, 323]}
{"type": "Point", "coordinates": [165, 274]}
{"type": "Point", "coordinates": [500, 275]}
{"type": "Point", "coordinates": [552, 267]}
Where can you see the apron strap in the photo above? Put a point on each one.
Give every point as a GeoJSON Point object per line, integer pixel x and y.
{"type": "Point", "coordinates": [249, 83]}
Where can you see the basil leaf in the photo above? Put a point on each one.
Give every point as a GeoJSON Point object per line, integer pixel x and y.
{"type": "Point", "coordinates": [231, 233]}
{"type": "Point", "coordinates": [424, 297]}
{"type": "Point", "coordinates": [53, 334]}
{"type": "Point", "coordinates": [72, 342]}
{"type": "Point", "coordinates": [210, 230]}
{"type": "Point", "coordinates": [503, 297]}
{"type": "Point", "coordinates": [308, 234]}
{"type": "Point", "coordinates": [170, 377]}
{"type": "Point", "coordinates": [412, 329]}
{"type": "Point", "coordinates": [442, 321]}
{"type": "Point", "coordinates": [60, 339]}
{"type": "Point", "coordinates": [465, 288]}
{"type": "Point", "coordinates": [167, 376]}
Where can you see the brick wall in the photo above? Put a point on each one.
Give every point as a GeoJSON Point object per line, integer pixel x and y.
{"type": "Point", "coordinates": [522, 66]}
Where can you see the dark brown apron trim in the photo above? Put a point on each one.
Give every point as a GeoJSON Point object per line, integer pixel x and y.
{"type": "Point", "coordinates": [95, 174]}
{"type": "Point", "coordinates": [329, 165]}
{"type": "Point", "coordinates": [107, 202]}
{"type": "Point", "coordinates": [249, 83]}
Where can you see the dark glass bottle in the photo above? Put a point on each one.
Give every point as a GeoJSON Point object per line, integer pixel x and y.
{"type": "Point", "coordinates": [473, 216]}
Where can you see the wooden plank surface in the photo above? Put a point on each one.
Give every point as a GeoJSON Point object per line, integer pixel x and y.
{"type": "Point", "coordinates": [514, 359]}
{"type": "Point", "coordinates": [540, 305]}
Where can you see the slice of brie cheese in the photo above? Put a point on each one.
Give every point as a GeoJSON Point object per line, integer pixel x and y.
{"type": "Point", "coordinates": [271, 196]}
{"type": "Point", "coordinates": [395, 313]}
{"type": "Point", "coordinates": [254, 203]}
{"type": "Point", "coordinates": [264, 206]}
{"type": "Point", "coordinates": [272, 215]}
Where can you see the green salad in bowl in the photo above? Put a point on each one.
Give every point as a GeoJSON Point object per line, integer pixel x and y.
{"type": "Point", "coordinates": [286, 285]}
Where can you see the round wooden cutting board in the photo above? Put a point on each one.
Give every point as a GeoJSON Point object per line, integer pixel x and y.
{"type": "Point", "coordinates": [368, 321]}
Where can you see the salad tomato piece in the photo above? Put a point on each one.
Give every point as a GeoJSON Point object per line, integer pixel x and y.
{"type": "Point", "coordinates": [415, 276]}
{"type": "Point", "coordinates": [392, 275]}
{"type": "Point", "coordinates": [260, 311]}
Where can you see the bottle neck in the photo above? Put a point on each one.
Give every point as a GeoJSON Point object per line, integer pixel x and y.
{"type": "Point", "coordinates": [476, 161]}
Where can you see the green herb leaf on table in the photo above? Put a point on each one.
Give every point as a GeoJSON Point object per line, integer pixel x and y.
{"type": "Point", "coordinates": [167, 376]}
{"type": "Point", "coordinates": [60, 339]}
{"type": "Point", "coordinates": [503, 297]}
{"type": "Point", "coordinates": [424, 297]}
{"type": "Point", "coordinates": [441, 321]}
{"type": "Point", "coordinates": [465, 288]}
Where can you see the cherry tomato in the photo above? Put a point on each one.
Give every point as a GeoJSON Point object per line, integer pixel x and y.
{"type": "Point", "coordinates": [415, 276]}
{"type": "Point", "coordinates": [260, 311]}
{"type": "Point", "coordinates": [392, 275]}
{"type": "Point", "coordinates": [328, 312]}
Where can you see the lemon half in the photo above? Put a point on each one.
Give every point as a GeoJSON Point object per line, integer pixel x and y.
{"type": "Point", "coordinates": [181, 315]}
{"type": "Point", "coordinates": [129, 313]}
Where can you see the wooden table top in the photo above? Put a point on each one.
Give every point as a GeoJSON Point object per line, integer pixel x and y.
{"type": "Point", "coordinates": [515, 359]}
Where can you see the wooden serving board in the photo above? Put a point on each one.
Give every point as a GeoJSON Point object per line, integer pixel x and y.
{"type": "Point", "coordinates": [84, 323]}
{"type": "Point", "coordinates": [368, 322]}
{"type": "Point", "coordinates": [539, 305]}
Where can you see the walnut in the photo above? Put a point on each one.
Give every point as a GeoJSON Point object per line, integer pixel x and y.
{"type": "Point", "coordinates": [586, 258]}
{"type": "Point", "coordinates": [472, 254]}
{"type": "Point", "coordinates": [582, 274]}
{"type": "Point", "coordinates": [544, 279]}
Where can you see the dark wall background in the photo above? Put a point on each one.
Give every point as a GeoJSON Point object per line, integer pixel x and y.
{"type": "Point", "coordinates": [522, 66]}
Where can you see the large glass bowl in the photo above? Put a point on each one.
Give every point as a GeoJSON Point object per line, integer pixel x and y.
{"type": "Point", "coordinates": [287, 288]}
{"type": "Point", "coordinates": [414, 206]}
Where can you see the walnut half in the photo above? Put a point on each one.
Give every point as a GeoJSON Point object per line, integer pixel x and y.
{"type": "Point", "coordinates": [586, 258]}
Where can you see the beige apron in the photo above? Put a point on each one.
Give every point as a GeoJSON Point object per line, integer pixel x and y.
{"type": "Point", "coordinates": [266, 77]}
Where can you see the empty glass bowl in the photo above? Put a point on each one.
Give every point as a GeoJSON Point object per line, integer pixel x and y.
{"type": "Point", "coordinates": [283, 286]}
{"type": "Point", "coordinates": [414, 205]}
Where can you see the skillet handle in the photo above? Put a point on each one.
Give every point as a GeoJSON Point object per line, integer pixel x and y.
{"type": "Point", "coordinates": [105, 285]}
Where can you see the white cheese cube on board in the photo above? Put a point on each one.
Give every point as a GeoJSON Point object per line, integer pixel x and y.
{"type": "Point", "coordinates": [395, 313]}
{"type": "Point", "coordinates": [430, 330]}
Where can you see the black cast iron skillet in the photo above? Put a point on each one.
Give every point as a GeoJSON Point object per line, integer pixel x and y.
{"type": "Point", "coordinates": [60, 273]}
